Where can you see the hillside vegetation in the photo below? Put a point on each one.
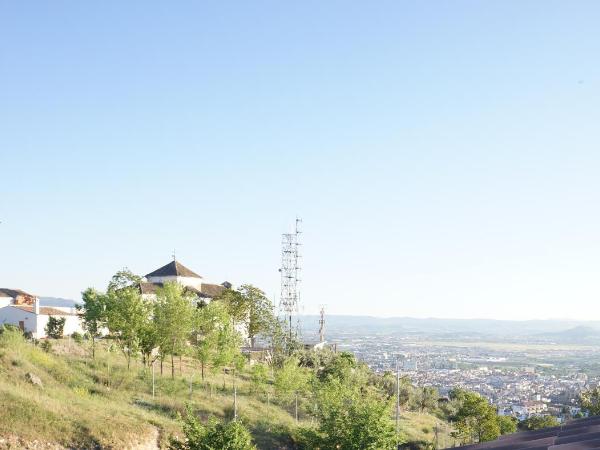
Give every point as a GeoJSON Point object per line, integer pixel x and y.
{"type": "Point", "coordinates": [87, 403]}
{"type": "Point", "coordinates": [168, 372]}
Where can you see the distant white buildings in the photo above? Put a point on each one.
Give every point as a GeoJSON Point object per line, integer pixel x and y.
{"type": "Point", "coordinates": [24, 310]}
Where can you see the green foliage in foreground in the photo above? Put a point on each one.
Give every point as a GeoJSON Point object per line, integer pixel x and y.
{"type": "Point", "coordinates": [539, 422]}
{"type": "Point", "coordinates": [476, 419]}
{"type": "Point", "coordinates": [55, 327]}
{"type": "Point", "coordinates": [351, 419]}
{"type": "Point", "coordinates": [590, 401]}
{"type": "Point", "coordinates": [216, 435]}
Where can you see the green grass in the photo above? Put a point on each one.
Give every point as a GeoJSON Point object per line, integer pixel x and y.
{"type": "Point", "coordinates": [418, 427]}
{"type": "Point", "coordinates": [86, 403]}
{"type": "Point", "coordinates": [98, 403]}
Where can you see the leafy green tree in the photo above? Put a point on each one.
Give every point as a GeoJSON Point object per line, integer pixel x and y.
{"type": "Point", "coordinates": [426, 398]}
{"type": "Point", "coordinates": [227, 347]}
{"type": "Point", "coordinates": [209, 321]}
{"type": "Point", "coordinates": [173, 320]}
{"type": "Point", "coordinates": [291, 379]}
{"type": "Point", "coordinates": [236, 304]}
{"type": "Point", "coordinates": [475, 419]}
{"type": "Point", "coordinates": [259, 375]}
{"type": "Point", "coordinates": [590, 400]}
{"type": "Point", "coordinates": [127, 316]}
{"type": "Point", "coordinates": [55, 327]}
{"type": "Point", "coordinates": [507, 424]}
{"type": "Point", "coordinates": [350, 418]}
{"type": "Point", "coordinates": [93, 314]}
{"type": "Point", "coordinates": [539, 422]}
{"type": "Point", "coordinates": [213, 436]}
{"type": "Point", "coordinates": [122, 279]}
{"type": "Point", "coordinates": [340, 367]}
{"type": "Point", "coordinates": [259, 310]}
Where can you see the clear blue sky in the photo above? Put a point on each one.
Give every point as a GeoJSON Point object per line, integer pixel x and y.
{"type": "Point", "coordinates": [444, 156]}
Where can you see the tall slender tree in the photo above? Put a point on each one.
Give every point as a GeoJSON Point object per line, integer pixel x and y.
{"type": "Point", "coordinates": [93, 314]}
{"type": "Point", "coordinates": [174, 319]}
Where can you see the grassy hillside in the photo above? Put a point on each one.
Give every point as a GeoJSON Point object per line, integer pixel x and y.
{"type": "Point", "coordinates": [99, 404]}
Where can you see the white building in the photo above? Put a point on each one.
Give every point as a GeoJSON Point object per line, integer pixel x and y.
{"type": "Point", "coordinates": [177, 272]}
{"type": "Point", "coordinates": [191, 281]}
{"type": "Point", "coordinates": [24, 310]}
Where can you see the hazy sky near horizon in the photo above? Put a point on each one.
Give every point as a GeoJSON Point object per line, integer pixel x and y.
{"type": "Point", "coordinates": [443, 155]}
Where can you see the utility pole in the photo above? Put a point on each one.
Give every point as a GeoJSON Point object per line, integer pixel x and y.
{"type": "Point", "coordinates": [153, 363]}
{"type": "Point", "coordinates": [397, 404]}
{"type": "Point", "coordinates": [234, 401]}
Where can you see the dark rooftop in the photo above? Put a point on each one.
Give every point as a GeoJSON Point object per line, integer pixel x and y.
{"type": "Point", "coordinates": [13, 293]}
{"type": "Point", "coordinates": [580, 434]}
{"type": "Point", "coordinates": [175, 269]}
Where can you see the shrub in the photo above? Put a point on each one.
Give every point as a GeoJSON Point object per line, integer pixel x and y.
{"type": "Point", "coordinates": [538, 423]}
{"type": "Point", "coordinates": [232, 435]}
{"type": "Point", "coordinates": [77, 337]}
{"type": "Point", "coordinates": [10, 336]}
{"type": "Point", "coordinates": [55, 327]}
{"type": "Point", "coordinates": [46, 346]}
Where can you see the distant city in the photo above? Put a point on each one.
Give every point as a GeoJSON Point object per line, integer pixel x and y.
{"type": "Point", "coordinates": [523, 368]}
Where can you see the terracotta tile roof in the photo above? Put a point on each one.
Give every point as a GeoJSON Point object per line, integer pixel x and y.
{"type": "Point", "coordinates": [45, 310]}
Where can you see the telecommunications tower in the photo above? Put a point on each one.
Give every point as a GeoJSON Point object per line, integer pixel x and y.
{"type": "Point", "coordinates": [290, 272]}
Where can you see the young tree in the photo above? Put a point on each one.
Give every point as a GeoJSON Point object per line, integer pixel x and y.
{"type": "Point", "coordinates": [122, 279]}
{"type": "Point", "coordinates": [426, 398]}
{"type": "Point", "coordinates": [291, 379]}
{"type": "Point", "coordinates": [55, 327]}
{"type": "Point", "coordinates": [259, 375]}
{"type": "Point", "coordinates": [236, 304]}
{"type": "Point", "coordinates": [258, 309]}
{"type": "Point", "coordinates": [475, 419]}
{"type": "Point", "coordinates": [590, 401]}
{"type": "Point", "coordinates": [216, 435]}
{"type": "Point", "coordinates": [227, 346]}
{"type": "Point", "coordinates": [209, 321]}
{"type": "Point", "coordinates": [128, 316]}
{"type": "Point", "coordinates": [93, 314]}
{"type": "Point", "coordinates": [507, 424]}
{"type": "Point", "coordinates": [173, 320]}
{"type": "Point", "coordinates": [351, 418]}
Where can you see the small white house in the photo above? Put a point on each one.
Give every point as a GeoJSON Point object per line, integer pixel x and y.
{"type": "Point", "coordinates": [24, 311]}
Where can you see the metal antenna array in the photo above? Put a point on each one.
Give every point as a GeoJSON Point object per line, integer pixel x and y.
{"type": "Point", "coordinates": [290, 271]}
{"type": "Point", "coordinates": [322, 325]}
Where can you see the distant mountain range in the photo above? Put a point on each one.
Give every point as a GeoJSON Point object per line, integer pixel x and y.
{"type": "Point", "coordinates": [559, 331]}
{"type": "Point", "coordinates": [57, 301]}
{"type": "Point", "coordinates": [544, 330]}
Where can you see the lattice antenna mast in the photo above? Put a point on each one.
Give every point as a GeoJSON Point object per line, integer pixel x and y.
{"type": "Point", "coordinates": [322, 325]}
{"type": "Point", "coordinates": [290, 272]}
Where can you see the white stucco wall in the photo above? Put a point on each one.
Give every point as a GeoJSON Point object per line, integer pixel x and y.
{"type": "Point", "coordinates": [35, 324]}
{"type": "Point", "coordinates": [5, 301]}
{"type": "Point", "coordinates": [72, 324]}
{"type": "Point", "coordinates": [11, 315]}
{"type": "Point", "coordinates": [184, 281]}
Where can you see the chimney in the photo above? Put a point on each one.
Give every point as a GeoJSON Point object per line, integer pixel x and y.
{"type": "Point", "coordinates": [36, 305]}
